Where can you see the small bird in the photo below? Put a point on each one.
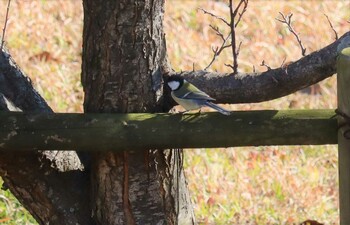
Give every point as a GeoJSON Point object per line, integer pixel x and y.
{"type": "Point", "coordinates": [189, 96]}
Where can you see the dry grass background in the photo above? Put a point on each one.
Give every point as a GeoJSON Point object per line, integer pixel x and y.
{"type": "Point", "coordinates": [263, 185]}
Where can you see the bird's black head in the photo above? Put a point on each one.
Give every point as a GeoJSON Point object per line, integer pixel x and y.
{"type": "Point", "coordinates": [175, 82]}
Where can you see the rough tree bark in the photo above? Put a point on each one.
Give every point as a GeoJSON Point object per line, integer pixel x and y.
{"type": "Point", "coordinates": [272, 84]}
{"type": "Point", "coordinates": [38, 178]}
{"type": "Point", "coordinates": [123, 54]}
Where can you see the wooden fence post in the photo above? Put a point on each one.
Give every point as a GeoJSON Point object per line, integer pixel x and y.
{"type": "Point", "coordinates": [343, 71]}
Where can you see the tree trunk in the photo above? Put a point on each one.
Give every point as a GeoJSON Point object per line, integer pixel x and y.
{"type": "Point", "coordinates": [124, 53]}
{"type": "Point", "coordinates": [39, 179]}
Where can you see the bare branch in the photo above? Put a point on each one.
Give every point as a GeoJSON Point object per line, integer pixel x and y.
{"type": "Point", "coordinates": [6, 19]}
{"type": "Point", "coordinates": [239, 48]}
{"type": "Point", "coordinates": [234, 13]}
{"type": "Point", "coordinates": [229, 65]}
{"type": "Point", "coordinates": [218, 32]}
{"type": "Point", "coordinates": [331, 25]}
{"type": "Point", "coordinates": [215, 16]}
{"type": "Point", "coordinates": [217, 51]}
{"type": "Point", "coordinates": [288, 21]}
{"type": "Point", "coordinates": [232, 25]}
{"type": "Point", "coordinates": [264, 64]}
{"type": "Point", "coordinates": [233, 38]}
{"type": "Point", "coordinates": [243, 11]}
{"type": "Point", "coordinates": [226, 46]}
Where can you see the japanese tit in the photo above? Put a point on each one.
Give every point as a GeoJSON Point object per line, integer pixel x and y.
{"type": "Point", "coordinates": [189, 96]}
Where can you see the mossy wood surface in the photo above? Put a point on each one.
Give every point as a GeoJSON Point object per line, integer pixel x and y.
{"type": "Point", "coordinates": [343, 71]}
{"type": "Point", "coordinates": [33, 131]}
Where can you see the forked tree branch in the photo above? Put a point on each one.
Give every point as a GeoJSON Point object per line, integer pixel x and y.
{"type": "Point", "coordinates": [288, 21]}
{"type": "Point", "coordinates": [264, 64]}
{"type": "Point", "coordinates": [232, 24]}
{"type": "Point", "coordinates": [241, 13]}
{"type": "Point", "coordinates": [218, 50]}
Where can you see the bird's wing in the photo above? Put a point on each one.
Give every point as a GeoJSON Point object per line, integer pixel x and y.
{"type": "Point", "coordinates": [199, 95]}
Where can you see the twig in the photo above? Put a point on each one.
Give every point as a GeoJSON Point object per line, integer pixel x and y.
{"type": "Point", "coordinates": [235, 50]}
{"type": "Point", "coordinates": [229, 65]}
{"type": "Point", "coordinates": [217, 32]}
{"type": "Point", "coordinates": [288, 20]}
{"type": "Point", "coordinates": [215, 16]}
{"type": "Point", "coordinates": [269, 68]}
{"type": "Point", "coordinates": [243, 11]}
{"type": "Point", "coordinates": [233, 14]}
{"type": "Point", "coordinates": [331, 25]}
{"type": "Point", "coordinates": [217, 51]}
{"type": "Point", "coordinates": [237, 53]}
{"type": "Point", "coordinates": [264, 64]}
{"type": "Point", "coordinates": [239, 48]}
{"type": "Point", "coordinates": [233, 37]}
{"type": "Point", "coordinates": [4, 29]}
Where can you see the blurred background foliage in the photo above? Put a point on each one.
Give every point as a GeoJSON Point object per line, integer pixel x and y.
{"type": "Point", "coordinates": [250, 185]}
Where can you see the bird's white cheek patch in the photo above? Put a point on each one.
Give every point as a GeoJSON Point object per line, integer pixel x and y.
{"type": "Point", "coordinates": [173, 85]}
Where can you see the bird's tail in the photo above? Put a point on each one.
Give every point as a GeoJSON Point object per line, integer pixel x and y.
{"type": "Point", "coordinates": [218, 108]}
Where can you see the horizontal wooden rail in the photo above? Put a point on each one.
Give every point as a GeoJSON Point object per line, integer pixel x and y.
{"type": "Point", "coordinates": [100, 132]}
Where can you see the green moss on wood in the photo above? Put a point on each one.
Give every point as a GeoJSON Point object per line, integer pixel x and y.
{"type": "Point", "coordinates": [129, 131]}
